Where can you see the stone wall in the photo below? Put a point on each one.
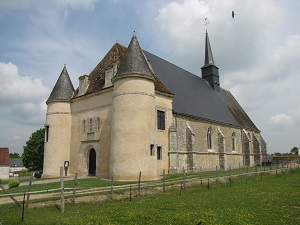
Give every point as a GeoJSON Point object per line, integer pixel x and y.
{"type": "Point", "coordinates": [198, 144]}
{"type": "Point", "coordinates": [4, 172]}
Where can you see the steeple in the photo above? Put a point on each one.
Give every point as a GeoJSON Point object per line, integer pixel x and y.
{"type": "Point", "coordinates": [63, 89]}
{"type": "Point", "coordinates": [210, 71]}
{"type": "Point", "coordinates": [134, 62]}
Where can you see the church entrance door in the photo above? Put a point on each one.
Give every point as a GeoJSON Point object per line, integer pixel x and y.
{"type": "Point", "coordinates": [92, 163]}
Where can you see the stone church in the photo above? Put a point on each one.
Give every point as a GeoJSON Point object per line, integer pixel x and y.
{"type": "Point", "coordinates": [136, 112]}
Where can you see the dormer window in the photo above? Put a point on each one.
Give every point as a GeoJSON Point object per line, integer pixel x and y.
{"type": "Point", "coordinates": [109, 74]}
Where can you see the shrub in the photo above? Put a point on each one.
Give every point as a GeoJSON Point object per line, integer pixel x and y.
{"type": "Point", "coordinates": [0, 181]}
{"type": "Point", "coordinates": [13, 183]}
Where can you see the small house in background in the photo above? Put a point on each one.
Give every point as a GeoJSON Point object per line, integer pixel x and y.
{"type": "Point", "coordinates": [16, 165]}
{"type": "Point", "coordinates": [4, 163]}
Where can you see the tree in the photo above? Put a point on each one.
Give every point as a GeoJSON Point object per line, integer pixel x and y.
{"type": "Point", "coordinates": [14, 155]}
{"type": "Point", "coordinates": [295, 150]}
{"type": "Point", "coordinates": [33, 155]}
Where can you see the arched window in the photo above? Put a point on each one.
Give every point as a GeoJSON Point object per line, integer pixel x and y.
{"type": "Point", "coordinates": [209, 140]}
{"type": "Point", "coordinates": [233, 141]}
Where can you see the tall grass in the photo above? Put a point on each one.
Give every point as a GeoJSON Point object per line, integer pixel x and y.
{"type": "Point", "coordinates": [271, 200]}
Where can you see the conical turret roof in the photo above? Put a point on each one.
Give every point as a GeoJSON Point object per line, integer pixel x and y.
{"type": "Point", "coordinates": [63, 89]}
{"type": "Point", "coordinates": [134, 62]}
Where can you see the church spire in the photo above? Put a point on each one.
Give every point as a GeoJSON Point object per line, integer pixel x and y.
{"type": "Point", "coordinates": [210, 72]}
{"type": "Point", "coordinates": [63, 89]}
{"type": "Point", "coordinates": [209, 60]}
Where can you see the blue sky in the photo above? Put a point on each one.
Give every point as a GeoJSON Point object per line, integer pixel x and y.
{"type": "Point", "coordinates": [257, 52]}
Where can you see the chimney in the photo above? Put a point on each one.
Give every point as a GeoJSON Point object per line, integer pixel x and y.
{"type": "Point", "coordinates": [83, 84]}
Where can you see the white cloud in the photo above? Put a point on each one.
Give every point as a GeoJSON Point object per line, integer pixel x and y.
{"type": "Point", "coordinates": [15, 88]}
{"type": "Point", "coordinates": [281, 119]}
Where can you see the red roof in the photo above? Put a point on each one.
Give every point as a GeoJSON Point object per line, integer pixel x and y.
{"type": "Point", "coordinates": [4, 157]}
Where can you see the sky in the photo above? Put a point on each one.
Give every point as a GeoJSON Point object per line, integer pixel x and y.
{"type": "Point", "coordinates": [257, 52]}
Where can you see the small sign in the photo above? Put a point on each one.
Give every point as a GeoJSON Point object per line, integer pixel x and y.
{"type": "Point", "coordinates": [66, 163]}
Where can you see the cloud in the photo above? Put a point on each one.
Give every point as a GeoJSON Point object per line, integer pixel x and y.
{"type": "Point", "coordinates": [15, 88]}
{"type": "Point", "coordinates": [281, 119]}
{"type": "Point", "coordinates": [12, 5]}
{"type": "Point", "coordinates": [23, 97]}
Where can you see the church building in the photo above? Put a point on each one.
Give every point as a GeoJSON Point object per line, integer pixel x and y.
{"type": "Point", "coordinates": [136, 112]}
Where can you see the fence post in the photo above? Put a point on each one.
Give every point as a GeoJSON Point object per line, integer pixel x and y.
{"type": "Point", "coordinates": [216, 174]}
{"type": "Point", "coordinates": [181, 187]}
{"type": "Point", "coordinates": [140, 182]}
{"type": "Point", "coordinates": [164, 180]}
{"type": "Point", "coordinates": [62, 189]}
{"type": "Point", "coordinates": [183, 178]}
{"type": "Point", "coordinates": [112, 187]}
{"type": "Point", "coordinates": [239, 168]}
{"type": "Point", "coordinates": [130, 193]}
{"type": "Point", "coordinates": [208, 184]}
{"type": "Point", "coordinates": [75, 185]}
{"type": "Point", "coordinates": [29, 188]}
{"type": "Point", "coordinates": [23, 206]}
{"type": "Point", "coordinates": [201, 172]}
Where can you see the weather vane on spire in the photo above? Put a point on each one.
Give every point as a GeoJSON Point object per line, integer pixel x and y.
{"type": "Point", "coordinates": [205, 24]}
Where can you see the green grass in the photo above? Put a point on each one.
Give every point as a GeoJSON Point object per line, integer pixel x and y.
{"type": "Point", "coordinates": [272, 200]}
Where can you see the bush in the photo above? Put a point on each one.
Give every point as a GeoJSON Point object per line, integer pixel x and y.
{"type": "Point", "coordinates": [13, 183]}
{"type": "Point", "coordinates": [0, 181]}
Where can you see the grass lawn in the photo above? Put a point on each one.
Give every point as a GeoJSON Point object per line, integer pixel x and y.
{"type": "Point", "coordinates": [272, 200]}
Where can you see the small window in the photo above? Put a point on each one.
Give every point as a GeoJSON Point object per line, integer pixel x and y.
{"type": "Point", "coordinates": [233, 141]}
{"type": "Point", "coordinates": [159, 153]}
{"type": "Point", "coordinates": [152, 150]}
{"type": "Point", "coordinates": [98, 123]}
{"type": "Point", "coordinates": [209, 133]}
{"type": "Point", "coordinates": [160, 120]}
{"type": "Point", "coordinates": [91, 124]}
{"type": "Point", "coordinates": [46, 133]}
{"type": "Point", "coordinates": [83, 126]}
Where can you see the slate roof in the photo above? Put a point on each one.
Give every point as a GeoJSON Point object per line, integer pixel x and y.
{"type": "Point", "coordinates": [134, 62]}
{"type": "Point", "coordinates": [16, 161]}
{"type": "Point", "coordinates": [193, 96]}
{"type": "Point", "coordinates": [115, 56]}
{"type": "Point", "coordinates": [209, 60]}
{"type": "Point", "coordinates": [63, 89]}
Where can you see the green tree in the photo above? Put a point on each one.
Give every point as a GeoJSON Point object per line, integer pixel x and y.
{"type": "Point", "coordinates": [14, 155]}
{"type": "Point", "coordinates": [33, 155]}
{"type": "Point", "coordinates": [295, 150]}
